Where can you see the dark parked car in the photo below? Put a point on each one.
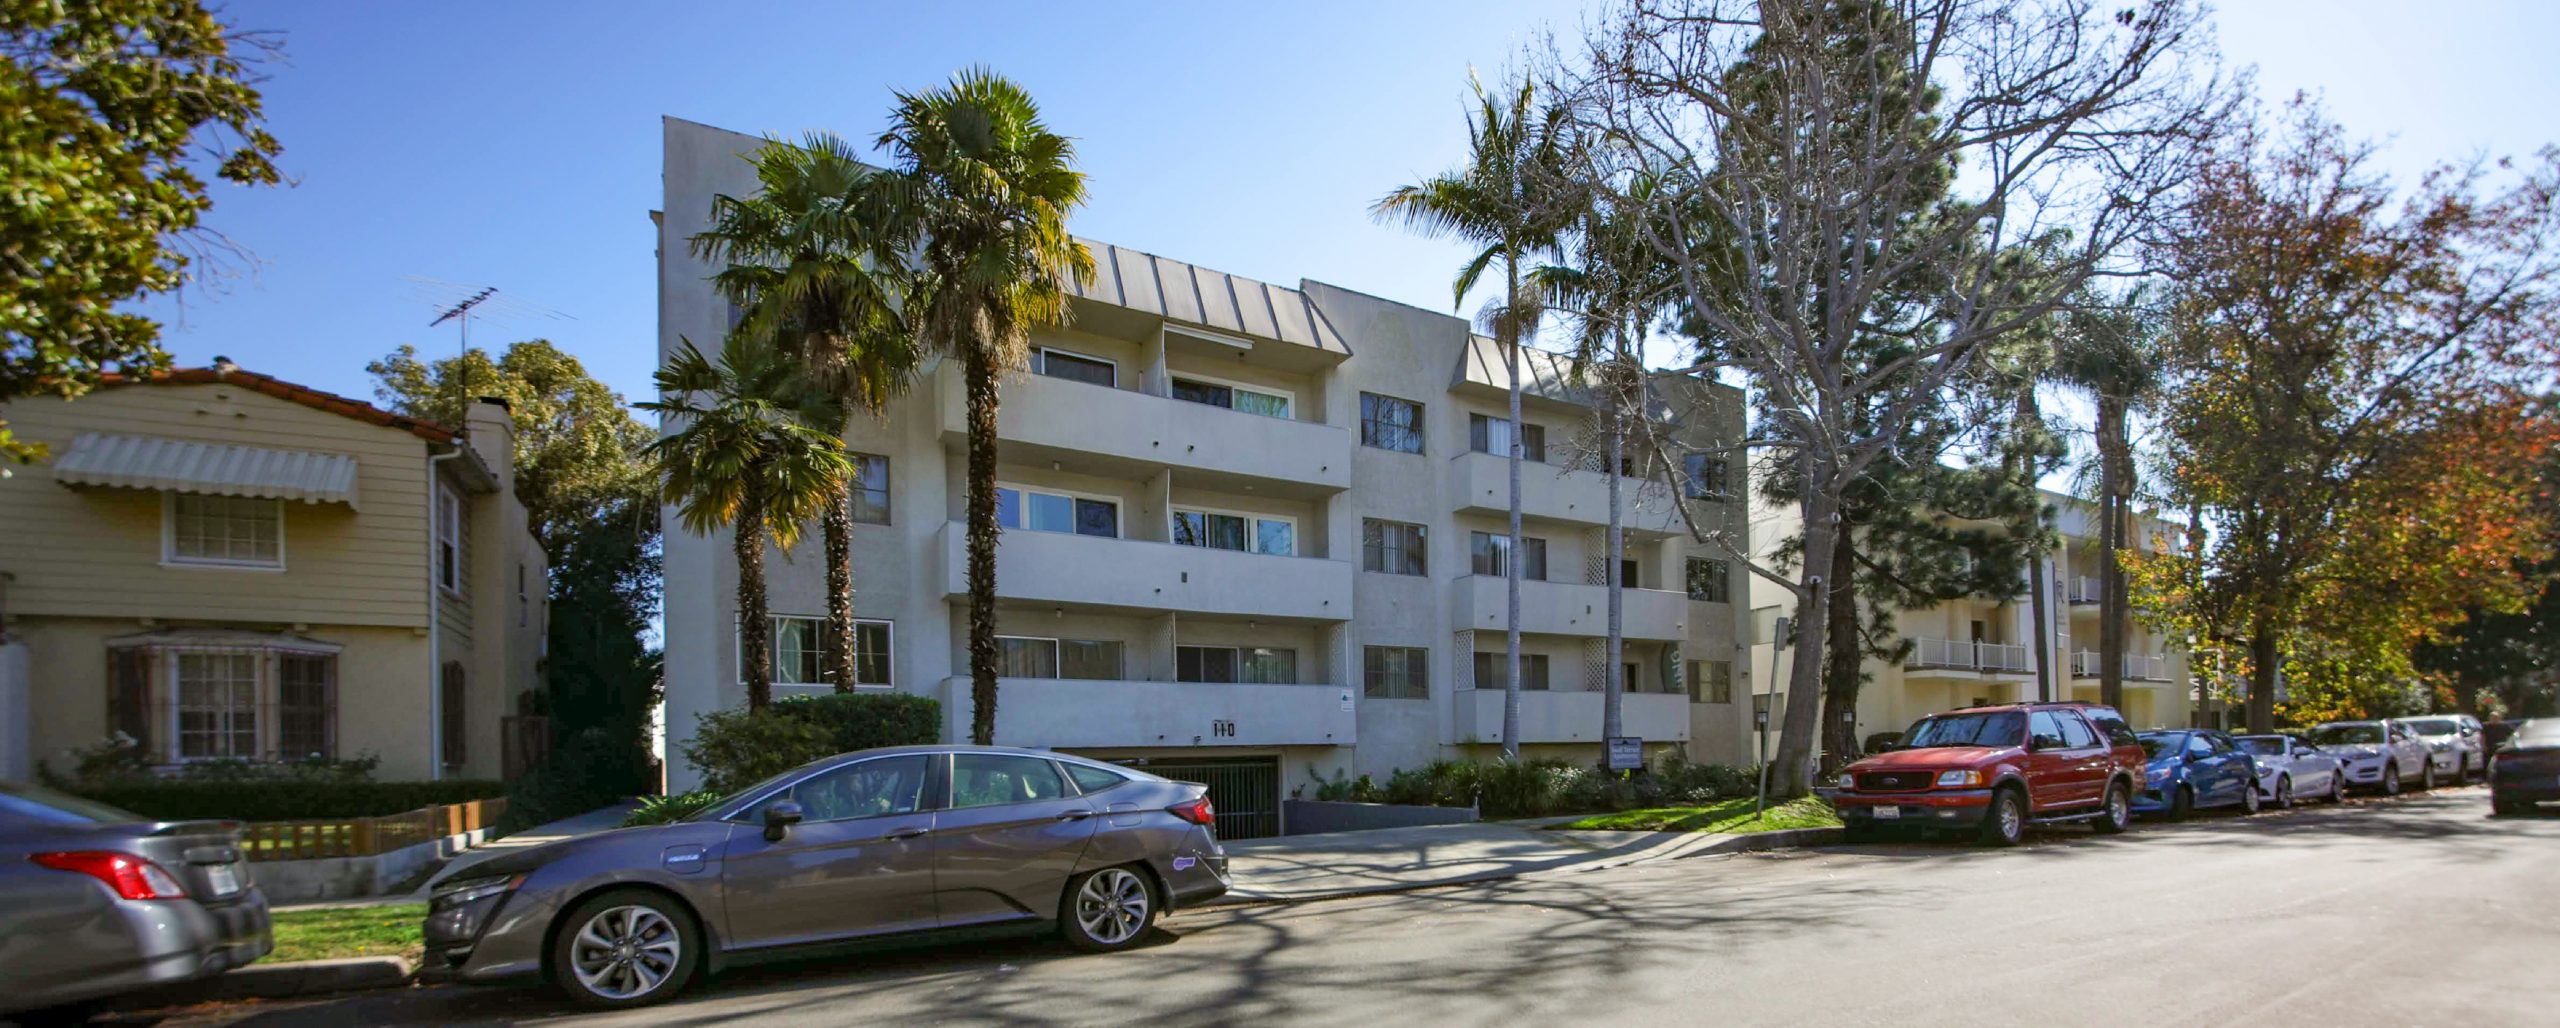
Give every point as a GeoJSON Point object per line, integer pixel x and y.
{"type": "Point", "coordinates": [96, 901]}
{"type": "Point", "coordinates": [2192, 769]}
{"type": "Point", "coordinates": [2526, 769]}
{"type": "Point", "coordinates": [899, 841]}
{"type": "Point", "coordinates": [1996, 770]}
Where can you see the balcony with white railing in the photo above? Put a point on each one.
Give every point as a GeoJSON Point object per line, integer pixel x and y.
{"type": "Point", "coordinates": [2138, 667]}
{"type": "Point", "coordinates": [1138, 575]}
{"type": "Point", "coordinates": [1477, 603]}
{"type": "Point", "coordinates": [1125, 432]}
{"type": "Point", "coordinates": [1054, 712]}
{"type": "Point", "coordinates": [1958, 655]}
{"type": "Point", "coordinates": [1568, 716]}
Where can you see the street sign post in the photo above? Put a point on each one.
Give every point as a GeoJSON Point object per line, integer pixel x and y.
{"type": "Point", "coordinates": [1626, 753]}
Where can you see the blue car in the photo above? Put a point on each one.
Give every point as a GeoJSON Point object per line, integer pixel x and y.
{"type": "Point", "coordinates": [2192, 769]}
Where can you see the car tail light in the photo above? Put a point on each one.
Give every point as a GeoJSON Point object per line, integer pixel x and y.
{"type": "Point", "coordinates": [1197, 812]}
{"type": "Point", "coordinates": [130, 876]}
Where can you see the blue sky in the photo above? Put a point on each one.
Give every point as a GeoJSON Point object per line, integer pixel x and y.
{"type": "Point", "coordinates": [516, 145]}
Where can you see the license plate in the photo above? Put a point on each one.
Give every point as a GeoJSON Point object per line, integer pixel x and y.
{"type": "Point", "coordinates": [1888, 813]}
{"type": "Point", "coordinates": [223, 879]}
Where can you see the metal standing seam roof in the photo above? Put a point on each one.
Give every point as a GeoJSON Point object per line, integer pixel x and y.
{"type": "Point", "coordinates": [1210, 299]}
{"type": "Point", "coordinates": [1542, 372]}
{"type": "Point", "coordinates": [215, 469]}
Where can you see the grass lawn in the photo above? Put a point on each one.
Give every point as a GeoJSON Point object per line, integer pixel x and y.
{"type": "Point", "coordinates": [1732, 817]}
{"type": "Point", "coordinates": [349, 932]}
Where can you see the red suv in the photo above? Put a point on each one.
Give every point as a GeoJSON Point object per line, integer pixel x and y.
{"type": "Point", "coordinates": [1998, 769]}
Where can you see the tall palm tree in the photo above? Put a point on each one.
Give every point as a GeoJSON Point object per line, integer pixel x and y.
{"type": "Point", "coordinates": [811, 261]}
{"type": "Point", "coordinates": [744, 456]}
{"type": "Point", "coordinates": [990, 188]}
{"type": "Point", "coordinates": [2111, 353]}
{"type": "Point", "coordinates": [1507, 200]}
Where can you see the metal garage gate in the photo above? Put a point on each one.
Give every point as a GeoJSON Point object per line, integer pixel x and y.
{"type": "Point", "coordinates": [1244, 790]}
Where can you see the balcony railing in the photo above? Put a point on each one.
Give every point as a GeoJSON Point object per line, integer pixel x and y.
{"type": "Point", "coordinates": [1967, 656]}
{"type": "Point", "coordinates": [1569, 716]}
{"type": "Point", "coordinates": [2138, 667]}
{"type": "Point", "coordinates": [1478, 603]}
{"type": "Point", "coordinates": [1073, 712]}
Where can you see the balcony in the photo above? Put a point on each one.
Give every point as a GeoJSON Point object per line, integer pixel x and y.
{"type": "Point", "coordinates": [1569, 716]}
{"type": "Point", "coordinates": [1480, 483]}
{"type": "Point", "coordinates": [2084, 590]}
{"type": "Point", "coordinates": [1567, 608]}
{"type": "Point", "coordinates": [1125, 433]}
{"type": "Point", "coordinates": [1954, 655]}
{"type": "Point", "coordinates": [2138, 667]}
{"type": "Point", "coordinates": [1130, 575]}
{"type": "Point", "coordinates": [1048, 712]}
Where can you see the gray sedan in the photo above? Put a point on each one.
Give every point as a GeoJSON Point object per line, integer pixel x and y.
{"type": "Point", "coordinates": [95, 902]}
{"type": "Point", "coordinates": [886, 842]}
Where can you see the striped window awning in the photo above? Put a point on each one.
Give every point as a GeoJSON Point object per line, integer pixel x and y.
{"type": "Point", "coordinates": [216, 469]}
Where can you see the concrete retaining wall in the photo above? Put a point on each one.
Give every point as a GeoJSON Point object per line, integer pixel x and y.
{"type": "Point", "coordinates": [331, 878]}
{"type": "Point", "coordinates": [1315, 817]}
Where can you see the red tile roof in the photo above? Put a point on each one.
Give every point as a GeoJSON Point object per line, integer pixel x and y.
{"type": "Point", "coordinates": [315, 399]}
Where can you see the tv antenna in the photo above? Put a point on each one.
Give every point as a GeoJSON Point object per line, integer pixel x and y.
{"type": "Point", "coordinates": [460, 304]}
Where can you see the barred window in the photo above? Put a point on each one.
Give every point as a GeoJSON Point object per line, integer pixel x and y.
{"type": "Point", "coordinates": [1389, 423]}
{"type": "Point", "coordinates": [1395, 672]}
{"type": "Point", "coordinates": [1393, 547]}
{"type": "Point", "coordinates": [217, 706]}
{"type": "Point", "coordinates": [1492, 667]}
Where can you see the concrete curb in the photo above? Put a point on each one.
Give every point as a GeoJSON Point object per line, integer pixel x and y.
{"type": "Point", "coordinates": [1699, 844]}
{"type": "Point", "coordinates": [289, 979]}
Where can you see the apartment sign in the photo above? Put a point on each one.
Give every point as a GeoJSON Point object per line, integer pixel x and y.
{"type": "Point", "coordinates": [1626, 753]}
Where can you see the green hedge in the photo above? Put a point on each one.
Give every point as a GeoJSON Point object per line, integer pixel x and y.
{"type": "Point", "coordinates": [283, 801]}
{"type": "Point", "coordinates": [735, 749]}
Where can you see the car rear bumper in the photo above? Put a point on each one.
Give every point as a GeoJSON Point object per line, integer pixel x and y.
{"type": "Point", "coordinates": [1953, 808]}
{"type": "Point", "coordinates": [144, 944]}
{"type": "Point", "coordinates": [1195, 872]}
{"type": "Point", "coordinates": [2545, 791]}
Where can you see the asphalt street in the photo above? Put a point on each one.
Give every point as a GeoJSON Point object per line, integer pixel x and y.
{"type": "Point", "coordinates": [2421, 910]}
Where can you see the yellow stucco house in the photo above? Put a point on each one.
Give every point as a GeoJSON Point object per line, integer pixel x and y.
{"type": "Point", "coordinates": [220, 564]}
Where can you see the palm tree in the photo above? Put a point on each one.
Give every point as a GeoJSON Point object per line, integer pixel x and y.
{"type": "Point", "coordinates": [1506, 199]}
{"type": "Point", "coordinates": [2111, 354]}
{"type": "Point", "coordinates": [744, 456]}
{"type": "Point", "coordinates": [989, 187]}
{"type": "Point", "coordinates": [811, 262]}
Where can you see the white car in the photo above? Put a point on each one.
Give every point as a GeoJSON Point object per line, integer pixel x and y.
{"type": "Point", "coordinates": [2459, 749]}
{"type": "Point", "coordinates": [2289, 768]}
{"type": "Point", "coordinates": [2377, 755]}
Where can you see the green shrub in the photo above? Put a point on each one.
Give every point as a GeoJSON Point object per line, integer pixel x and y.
{"type": "Point", "coordinates": [658, 810]}
{"type": "Point", "coordinates": [734, 748]}
{"type": "Point", "coordinates": [281, 800]}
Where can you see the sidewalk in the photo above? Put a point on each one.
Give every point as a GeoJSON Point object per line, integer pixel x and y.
{"type": "Point", "coordinates": [597, 820]}
{"type": "Point", "coordinates": [1297, 868]}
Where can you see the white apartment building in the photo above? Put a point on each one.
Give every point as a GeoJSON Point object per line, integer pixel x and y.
{"type": "Point", "coordinates": [1981, 649]}
{"type": "Point", "coordinates": [1253, 533]}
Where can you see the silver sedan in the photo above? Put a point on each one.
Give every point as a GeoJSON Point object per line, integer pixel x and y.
{"type": "Point", "coordinates": [888, 842]}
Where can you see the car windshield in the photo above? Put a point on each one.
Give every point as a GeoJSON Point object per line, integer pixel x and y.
{"type": "Point", "coordinates": [2156, 744]}
{"type": "Point", "coordinates": [1999, 728]}
{"type": "Point", "coordinates": [2347, 735]}
{"type": "Point", "coordinates": [37, 803]}
{"type": "Point", "coordinates": [2262, 745]}
{"type": "Point", "coordinates": [2433, 726]}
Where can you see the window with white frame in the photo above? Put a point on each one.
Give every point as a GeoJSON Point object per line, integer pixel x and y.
{"type": "Point", "coordinates": [1248, 665]}
{"type": "Point", "coordinates": [1068, 364]}
{"type": "Point", "coordinates": [449, 540]}
{"type": "Point", "coordinates": [1245, 533]}
{"type": "Point", "coordinates": [1048, 510]}
{"type": "Point", "coordinates": [233, 531]}
{"type": "Point", "coordinates": [1489, 434]}
{"type": "Point", "coordinates": [870, 488]}
{"type": "Point", "coordinates": [1234, 396]}
{"type": "Point", "coordinates": [1395, 672]}
{"type": "Point", "coordinates": [217, 705]}
{"type": "Point", "coordinates": [799, 648]}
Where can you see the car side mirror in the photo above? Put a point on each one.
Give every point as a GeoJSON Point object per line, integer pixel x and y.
{"type": "Point", "coordinates": [779, 816]}
{"type": "Point", "coordinates": [2189, 757]}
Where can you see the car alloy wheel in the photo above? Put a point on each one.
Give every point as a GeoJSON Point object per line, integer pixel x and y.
{"type": "Point", "coordinates": [2118, 814]}
{"type": "Point", "coordinates": [2391, 778]}
{"type": "Point", "coordinates": [1109, 909]}
{"type": "Point", "coordinates": [625, 948]}
{"type": "Point", "coordinates": [2337, 787]}
{"type": "Point", "coordinates": [2006, 822]}
{"type": "Point", "coordinates": [2249, 798]}
{"type": "Point", "coordinates": [2284, 793]}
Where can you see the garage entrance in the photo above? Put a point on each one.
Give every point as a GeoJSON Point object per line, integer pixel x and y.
{"type": "Point", "coordinates": [1245, 791]}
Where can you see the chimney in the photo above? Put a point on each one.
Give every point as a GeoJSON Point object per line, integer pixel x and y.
{"type": "Point", "coordinates": [222, 366]}
{"type": "Point", "coordinates": [491, 429]}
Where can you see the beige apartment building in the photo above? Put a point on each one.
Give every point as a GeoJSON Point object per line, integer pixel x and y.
{"type": "Point", "coordinates": [1981, 649]}
{"type": "Point", "coordinates": [221, 565]}
{"type": "Point", "coordinates": [1253, 533]}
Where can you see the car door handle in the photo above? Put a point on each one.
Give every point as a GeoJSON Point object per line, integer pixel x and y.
{"type": "Point", "coordinates": [1075, 815]}
{"type": "Point", "coordinates": [903, 834]}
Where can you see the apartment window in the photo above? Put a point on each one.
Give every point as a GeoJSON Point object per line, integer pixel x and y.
{"type": "Point", "coordinates": [1491, 666]}
{"type": "Point", "coordinates": [1040, 657]}
{"type": "Point", "coordinates": [306, 706]}
{"type": "Point", "coordinates": [449, 540]}
{"type": "Point", "coordinates": [1249, 399]}
{"type": "Point", "coordinates": [1249, 665]}
{"type": "Point", "coordinates": [800, 647]}
{"type": "Point", "coordinates": [457, 727]}
{"type": "Point", "coordinates": [1488, 434]}
{"type": "Point", "coordinates": [1708, 477]}
{"type": "Point", "coordinates": [1042, 510]}
{"type": "Point", "coordinates": [1067, 364]}
{"type": "Point", "coordinates": [1711, 681]}
{"type": "Point", "coordinates": [217, 706]}
{"type": "Point", "coordinates": [1631, 573]}
{"type": "Point", "coordinates": [1395, 672]}
{"type": "Point", "coordinates": [235, 531]}
{"type": "Point", "coordinates": [870, 488]}
{"type": "Point", "coordinates": [1489, 552]}
{"type": "Point", "coordinates": [1245, 533]}
{"type": "Point", "coordinates": [871, 649]}
{"type": "Point", "coordinates": [1393, 547]}
{"type": "Point", "coordinates": [1710, 581]}
{"type": "Point", "coordinates": [1390, 424]}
